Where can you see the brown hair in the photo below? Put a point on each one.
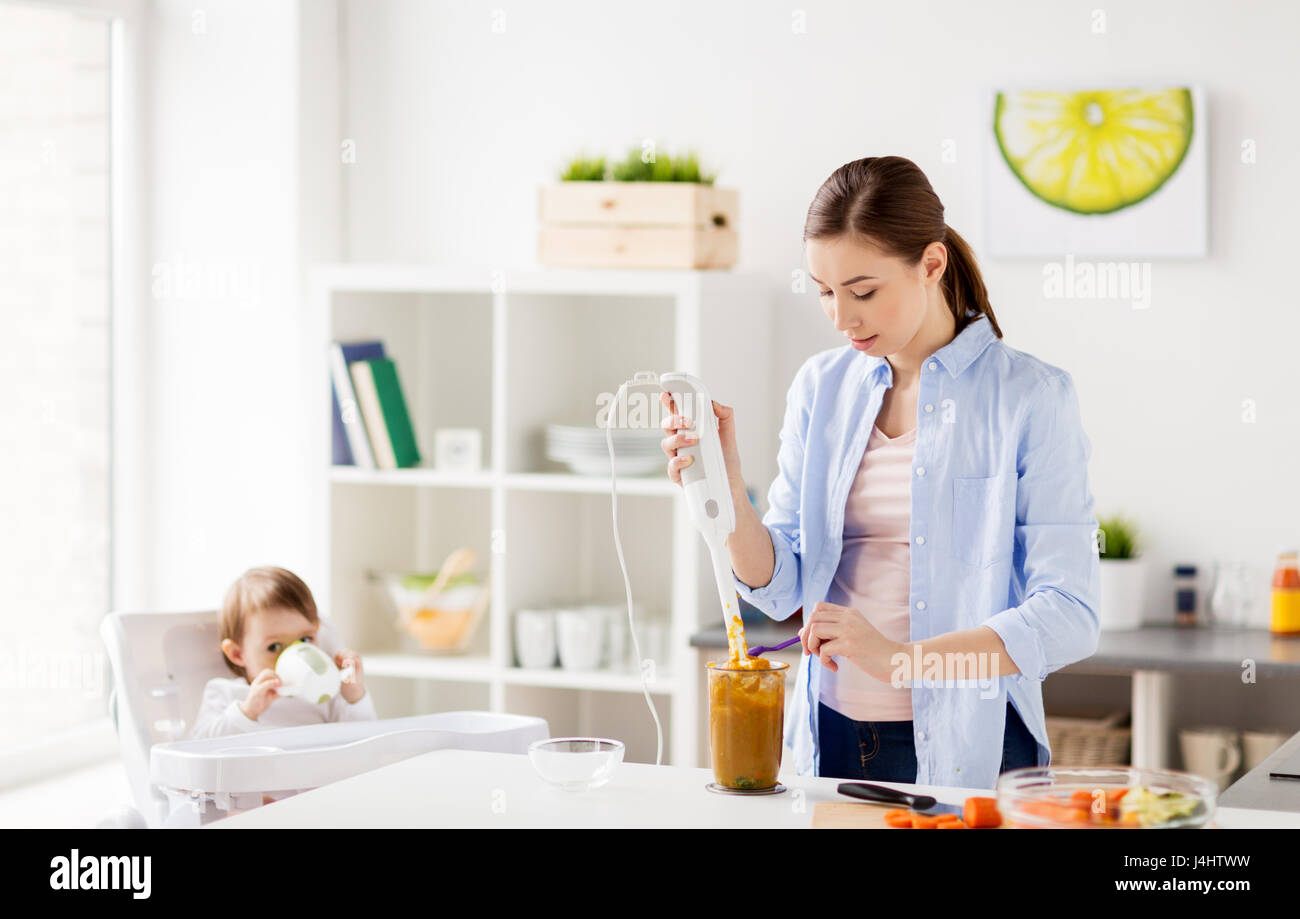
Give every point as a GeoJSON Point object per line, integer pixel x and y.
{"type": "Point", "coordinates": [888, 201]}
{"type": "Point", "coordinates": [259, 589]}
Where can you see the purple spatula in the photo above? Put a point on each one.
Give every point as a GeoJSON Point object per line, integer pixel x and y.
{"type": "Point", "coordinates": [762, 649]}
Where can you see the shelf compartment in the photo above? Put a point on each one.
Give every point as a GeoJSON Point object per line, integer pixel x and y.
{"type": "Point", "coordinates": [584, 347]}
{"type": "Point", "coordinates": [442, 345]}
{"type": "Point", "coordinates": [377, 529]}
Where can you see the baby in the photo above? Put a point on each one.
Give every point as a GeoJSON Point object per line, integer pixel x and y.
{"type": "Point", "coordinates": [265, 611]}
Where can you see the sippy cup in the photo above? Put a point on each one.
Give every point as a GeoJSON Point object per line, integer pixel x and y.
{"type": "Point", "coordinates": [307, 671]}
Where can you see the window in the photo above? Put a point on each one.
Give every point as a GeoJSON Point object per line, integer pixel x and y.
{"type": "Point", "coordinates": [55, 370]}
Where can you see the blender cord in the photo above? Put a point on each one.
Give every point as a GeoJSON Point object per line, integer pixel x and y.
{"type": "Point", "coordinates": [627, 583]}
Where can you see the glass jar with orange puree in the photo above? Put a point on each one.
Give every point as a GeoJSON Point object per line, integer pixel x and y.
{"type": "Point", "coordinates": [746, 717]}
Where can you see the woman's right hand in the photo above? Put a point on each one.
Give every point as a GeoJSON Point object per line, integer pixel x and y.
{"type": "Point", "coordinates": [677, 437]}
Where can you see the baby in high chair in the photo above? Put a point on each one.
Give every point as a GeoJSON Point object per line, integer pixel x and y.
{"type": "Point", "coordinates": [264, 611]}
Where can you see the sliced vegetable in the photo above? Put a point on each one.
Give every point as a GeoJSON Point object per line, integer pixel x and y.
{"type": "Point", "coordinates": [982, 813]}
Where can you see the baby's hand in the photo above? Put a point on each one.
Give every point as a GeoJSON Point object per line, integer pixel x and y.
{"type": "Point", "coordinates": [261, 693]}
{"type": "Point", "coordinates": [354, 688]}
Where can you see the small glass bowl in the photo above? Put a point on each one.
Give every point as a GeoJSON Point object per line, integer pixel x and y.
{"type": "Point", "coordinates": [1040, 796]}
{"type": "Point", "coordinates": [576, 763]}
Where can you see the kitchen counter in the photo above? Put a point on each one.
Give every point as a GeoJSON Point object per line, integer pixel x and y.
{"type": "Point", "coordinates": [462, 788]}
{"type": "Point", "coordinates": [1272, 802]}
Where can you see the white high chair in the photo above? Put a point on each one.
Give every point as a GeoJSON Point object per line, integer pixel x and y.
{"type": "Point", "coordinates": [160, 664]}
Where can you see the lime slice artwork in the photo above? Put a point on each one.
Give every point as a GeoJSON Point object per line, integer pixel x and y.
{"type": "Point", "coordinates": [1093, 151]}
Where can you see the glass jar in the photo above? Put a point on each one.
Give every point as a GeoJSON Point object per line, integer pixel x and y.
{"type": "Point", "coordinates": [746, 720]}
{"type": "Point", "coordinates": [1185, 595]}
{"type": "Point", "coordinates": [1285, 618]}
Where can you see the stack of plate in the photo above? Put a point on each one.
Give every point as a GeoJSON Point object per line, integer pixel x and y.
{"type": "Point", "coordinates": [583, 449]}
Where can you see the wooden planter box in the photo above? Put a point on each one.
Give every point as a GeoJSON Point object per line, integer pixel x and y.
{"type": "Point", "coordinates": [637, 225]}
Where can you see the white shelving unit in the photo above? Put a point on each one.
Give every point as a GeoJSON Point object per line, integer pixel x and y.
{"type": "Point", "coordinates": [508, 352]}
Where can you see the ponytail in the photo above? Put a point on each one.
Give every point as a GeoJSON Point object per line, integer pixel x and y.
{"type": "Point", "coordinates": [963, 285]}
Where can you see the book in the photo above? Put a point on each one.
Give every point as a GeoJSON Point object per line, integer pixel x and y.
{"type": "Point", "coordinates": [351, 443]}
{"type": "Point", "coordinates": [379, 395]}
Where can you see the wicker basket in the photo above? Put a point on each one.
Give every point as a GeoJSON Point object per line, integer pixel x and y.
{"type": "Point", "coordinates": [1083, 741]}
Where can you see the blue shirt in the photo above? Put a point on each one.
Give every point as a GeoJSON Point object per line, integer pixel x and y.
{"type": "Point", "coordinates": [1002, 533]}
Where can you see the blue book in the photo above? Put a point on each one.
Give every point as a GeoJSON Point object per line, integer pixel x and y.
{"type": "Point", "coordinates": [351, 443]}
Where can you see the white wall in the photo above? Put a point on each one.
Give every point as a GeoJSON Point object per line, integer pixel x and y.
{"type": "Point", "coordinates": [457, 124]}
{"type": "Point", "coordinates": [237, 130]}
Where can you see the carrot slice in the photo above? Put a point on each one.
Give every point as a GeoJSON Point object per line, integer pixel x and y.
{"type": "Point", "coordinates": [901, 821]}
{"type": "Point", "coordinates": [947, 818]}
{"type": "Point", "coordinates": [981, 813]}
{"type": "Point", "coordinates": [924, 822]}
{"type": "Point", "coordinates": [957, 824]}
{"type": "Point", "coordinates": [1072, 814]}
{"type": "Point", "coordinates": [898, 812]}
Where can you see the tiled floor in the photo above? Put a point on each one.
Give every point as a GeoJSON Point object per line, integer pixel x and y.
{"type": "Point", "coordinates": [81, 798]}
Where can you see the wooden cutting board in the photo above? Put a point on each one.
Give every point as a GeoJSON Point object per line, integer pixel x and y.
{"type": "Point", "coordinates": [850, 815]}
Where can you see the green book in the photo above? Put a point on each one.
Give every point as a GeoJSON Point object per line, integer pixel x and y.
{"type": "Point", "coordinates": [379, 395]}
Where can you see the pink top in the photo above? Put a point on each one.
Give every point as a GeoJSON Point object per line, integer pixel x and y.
{"type": "Point", "coordinates": [874, 574]}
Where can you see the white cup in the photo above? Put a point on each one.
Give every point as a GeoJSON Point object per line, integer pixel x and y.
{"type": "Point", "coordinates": [535, 638]}
{"type": "Point", "coordinates": [1257, 745]}
{"type": "Point", "coordinates": [308, 672]}
{"type": "Point", "coordinates": [1212, 752]}
{"type": "Point", "coordinates": [652, 636]}
{"type": "Point", "coordinates": [581, 637]}
{"type": "Point", "coordinates": [616, 635]}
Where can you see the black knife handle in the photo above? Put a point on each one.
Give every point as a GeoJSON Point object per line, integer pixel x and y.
{"type": "Point", "coordinates": [883, 795]}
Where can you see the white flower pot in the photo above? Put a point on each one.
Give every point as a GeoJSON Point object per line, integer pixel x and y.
{"type": "Point", "coordinates": [1123, 583]}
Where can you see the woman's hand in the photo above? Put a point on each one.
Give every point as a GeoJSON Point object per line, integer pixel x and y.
{"type": "Point", "coordinates": [833, 629]}
{"type": "Point", "coordinates": [673, 425]}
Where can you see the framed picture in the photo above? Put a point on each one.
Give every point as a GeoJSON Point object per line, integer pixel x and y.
{"type": "Point", "coordinates": [1097, 172]}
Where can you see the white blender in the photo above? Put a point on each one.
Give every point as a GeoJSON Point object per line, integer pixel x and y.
{"type": "Point", "coordinates": [707, 492]}
{"type": "Point", "coordinates": [708, 499]}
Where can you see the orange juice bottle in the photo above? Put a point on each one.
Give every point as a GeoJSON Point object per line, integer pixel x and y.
{"type": "Point", "coordinates": [1286, 595]}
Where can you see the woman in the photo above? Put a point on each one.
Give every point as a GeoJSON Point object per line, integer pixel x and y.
{"type": "Point", "coordinates": [931, 515]}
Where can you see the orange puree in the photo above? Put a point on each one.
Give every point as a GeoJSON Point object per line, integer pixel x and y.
{"type": "Point", "coordinates": [746, 715]}
{"type": "Point", "coordinates": [737, 651]}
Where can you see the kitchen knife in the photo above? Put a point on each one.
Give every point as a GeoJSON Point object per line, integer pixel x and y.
{"type": "Point", "coordinates": [923, 804]}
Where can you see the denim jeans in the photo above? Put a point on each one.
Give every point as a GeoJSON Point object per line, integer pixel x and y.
{"type": "Point", "coordinates": [885, 751]}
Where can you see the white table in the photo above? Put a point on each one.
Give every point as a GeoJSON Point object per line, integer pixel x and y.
{"type": "Point", "coordinates": [463, 788]}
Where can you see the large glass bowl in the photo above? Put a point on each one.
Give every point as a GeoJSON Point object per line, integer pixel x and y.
{"type": "Point", "coordinates": [1104, 797]}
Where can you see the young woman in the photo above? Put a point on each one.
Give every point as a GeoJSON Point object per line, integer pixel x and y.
{"type": "Point", "coordinates": [932, 515]}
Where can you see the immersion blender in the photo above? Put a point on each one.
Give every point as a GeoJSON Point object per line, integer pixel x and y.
{"type": "Point", "coordinates": [708, 493]}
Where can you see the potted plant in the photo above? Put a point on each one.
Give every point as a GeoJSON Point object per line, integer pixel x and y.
{"type": "Point", "coordinates": [650, 210]}
{"type": "Point", "coordinates": [1123, 574]}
